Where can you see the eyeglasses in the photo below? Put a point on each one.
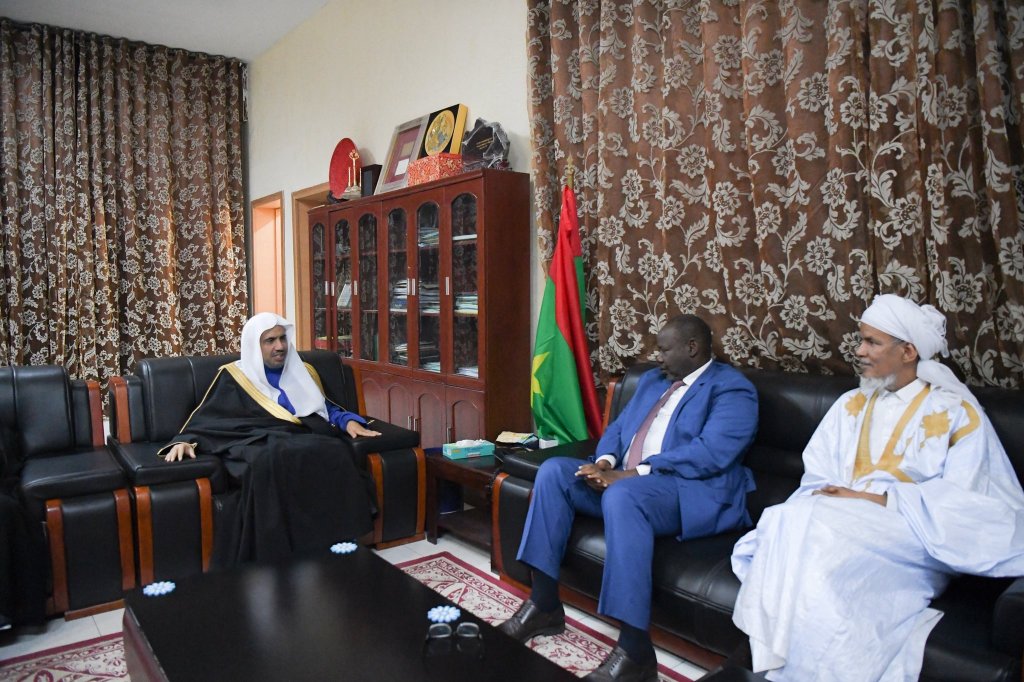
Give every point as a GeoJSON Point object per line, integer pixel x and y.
{"type": "Point", "coordinates": [442, 630]}
{"type": "Point", "coordinates": [467, 637]}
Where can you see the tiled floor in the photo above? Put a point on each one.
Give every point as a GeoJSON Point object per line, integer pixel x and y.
{"type": "Point", "coordinates": [59, 632]}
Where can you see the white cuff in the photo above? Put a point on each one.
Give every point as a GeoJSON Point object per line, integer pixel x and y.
{"type": "Point", "coordinates": [643, 469]}
{"type": "Point", "coordinates": [611, 459]}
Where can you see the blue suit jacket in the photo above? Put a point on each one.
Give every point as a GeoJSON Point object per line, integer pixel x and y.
{"type": "Point", "coordinates": [709, 431]}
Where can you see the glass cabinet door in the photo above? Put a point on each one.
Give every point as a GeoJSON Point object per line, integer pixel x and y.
{"type": "Point", "coordinates": [368, 303]}
{"type": "Point", "coordinates": [343, 288]}
{"type": "Point", "coordinates": [318, 270]}
{"type": "Point", "coordinates": [398, 288]}
{"type": "Point", "coordinates": [465, 295]}
{"type": "Point", "coordinates": [428, 265]}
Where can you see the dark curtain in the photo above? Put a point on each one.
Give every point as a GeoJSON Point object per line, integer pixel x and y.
{"type": "Point", "coordinates": [121, 200]}
{"type": "Point", "coordinates": [772, 166]}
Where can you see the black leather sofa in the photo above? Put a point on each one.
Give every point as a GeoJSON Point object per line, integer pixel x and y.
{"type": "Point", "coordinates": [980, 637]}
{"type": "Point", "coordinates": [70, 485]}
{"type": "Point", "coordinates": [175, 505]}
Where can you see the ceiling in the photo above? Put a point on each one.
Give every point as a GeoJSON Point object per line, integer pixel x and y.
{"type": "Point", "coordinates": [235, 28]}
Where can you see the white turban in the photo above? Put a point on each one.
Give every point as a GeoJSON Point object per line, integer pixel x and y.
{"type": "Point", "coordinates": [925, 327]}
{"type": "Point", "coordinates": [296, 382]}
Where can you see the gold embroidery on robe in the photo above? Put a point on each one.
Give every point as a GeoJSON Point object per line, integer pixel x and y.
{"type": "Point", "coordinates": [266, 403]}
{"type": "Point", "coordinates": [316, 377]}
{"type": "Point", "coordinates": [855, 404]}
{"type": "Point", "coordinates": [935, 424]}
{"type": "Point", "coordinates": [973, 422]}
{"type": "Point", "coordinates": [889, 461]}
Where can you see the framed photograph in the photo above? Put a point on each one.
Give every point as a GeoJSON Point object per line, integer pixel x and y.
{"type": "Point", "coordinates": [405, 145]}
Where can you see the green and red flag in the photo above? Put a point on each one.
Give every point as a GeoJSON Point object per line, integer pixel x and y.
{"type": "Point", "coordinates": [563, 396]}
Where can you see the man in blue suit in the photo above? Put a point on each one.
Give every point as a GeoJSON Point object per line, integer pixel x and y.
{"type": "Point", "coordinates": [668, 465]}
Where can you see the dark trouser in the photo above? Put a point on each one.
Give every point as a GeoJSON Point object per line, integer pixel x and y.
{"type": "Point", "coordinates": [635, 512]}
{"type": "Point", "coordinates": [23, 569]}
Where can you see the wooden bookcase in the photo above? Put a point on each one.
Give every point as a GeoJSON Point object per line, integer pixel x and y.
{"type": "Point", "coordinates": [426, 291]}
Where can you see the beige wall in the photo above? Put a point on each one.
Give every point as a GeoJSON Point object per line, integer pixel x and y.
{"type": "Point", "coordinates": [358, 68]}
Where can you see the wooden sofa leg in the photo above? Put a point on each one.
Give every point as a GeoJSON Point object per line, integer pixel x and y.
{"type": "Point", "coordinates": [144, 523]}
{"type": "Point", "coordinates": [123, 505]}
{"type": "Point", "coordinates": [373, 460]}
{"type": "Point", "coordinates": [376, 467]}
{"type": "Point", "coordinates": [205, 520]}
{"type": "Point", "coordinates": [421, 492]}
{"type": "Point", "coordinates": [58, 562]}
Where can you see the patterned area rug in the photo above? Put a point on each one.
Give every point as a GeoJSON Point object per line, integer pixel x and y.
{"type": "Point", "coordinates": [94, 660]}
{"type": "Point", "coordinates": [579, 649]}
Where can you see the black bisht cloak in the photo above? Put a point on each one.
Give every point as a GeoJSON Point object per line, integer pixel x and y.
{"type": "Point", "coordinates": [295, 485]}
{"type": "Point", "coordinates": [24, 569]}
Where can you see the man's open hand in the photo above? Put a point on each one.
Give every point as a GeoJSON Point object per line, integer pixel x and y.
{"type": "Point", "coordinates": [179, 451]}
{"type": "Point", "coordinates": [355, 429]}
{"type": "Point", "coordinates": [839, 491]}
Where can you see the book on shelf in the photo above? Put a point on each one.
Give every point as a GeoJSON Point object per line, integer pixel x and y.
{"type": "Point", "coordinates": [345, 297]}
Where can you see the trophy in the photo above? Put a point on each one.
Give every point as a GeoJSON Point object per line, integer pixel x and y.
{"type": "Point", "coordinates": [354, 188]}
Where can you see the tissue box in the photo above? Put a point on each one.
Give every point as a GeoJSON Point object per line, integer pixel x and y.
{"type": "Point", "coordinates": [443, 165]}
{"type": "Point", "coordinates": [455, 451]}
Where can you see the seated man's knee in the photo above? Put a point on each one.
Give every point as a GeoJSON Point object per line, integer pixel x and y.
{"type": "Point", "coordinates": [558, 471]}
{"type": "Point", "coordinates": [617, 497]}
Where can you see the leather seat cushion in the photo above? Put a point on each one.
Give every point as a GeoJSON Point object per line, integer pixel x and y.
{"type": "Point", "coordinates": [525, 463]}
{"type": "Point", "coordinates": [392, 438]}
{"type": "Point", "coordinates": [71, 475]}
{"type": "Point", "coordinates": [145, 467]}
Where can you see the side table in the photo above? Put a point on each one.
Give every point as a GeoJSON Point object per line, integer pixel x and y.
{"type": "Point", "coordinates": [473, 525]}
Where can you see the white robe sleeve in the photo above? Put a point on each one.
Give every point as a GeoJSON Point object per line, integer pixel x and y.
{"type": "Point", "coordinates": [971, 517]}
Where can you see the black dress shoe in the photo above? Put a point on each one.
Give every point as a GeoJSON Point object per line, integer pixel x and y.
{"type": "Point", "coordinates": [620, 668]}
{"type": "Point", "coordinates": [529, 621]}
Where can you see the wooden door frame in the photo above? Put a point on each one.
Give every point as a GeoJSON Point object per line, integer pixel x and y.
{"type": "Point", "coordinates": [302, 201]}
{"type": "Point", "coordinates": [272, 202]}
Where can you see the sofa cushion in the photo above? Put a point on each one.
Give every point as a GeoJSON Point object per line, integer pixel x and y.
{"type": "Point", "coordinates": [338, 387]}
{"type": "Point", "coordinates": [144, 467]}
{"type": "Point", "coordinates": [391, 438]}
{"type": "Point", "coordinates": [172, 388]}
{"type": "Point", "coordinates": [960, 645]}
{"type": "Point", "coordinates": [71, 475]}
{"type": "Point", "coordinates": [36, 402]}
{"type": "Point", "coordinates": [525, 463]}
{"type": "Point", "coordinates": [1004, 409]}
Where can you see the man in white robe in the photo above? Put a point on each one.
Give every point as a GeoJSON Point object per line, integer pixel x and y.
{"type": "Point", "coordinates": [905, 484]}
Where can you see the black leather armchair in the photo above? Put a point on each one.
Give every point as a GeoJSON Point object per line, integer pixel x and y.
{"type": "Point", "coordinates": [72, 485]}
{"type": "Point", "coordinates": [176, 504]}
{"type": "Point", "coordinates": [981, 636]}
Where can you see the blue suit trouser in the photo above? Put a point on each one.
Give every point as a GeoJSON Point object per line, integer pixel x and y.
{"type": "Point", "coordinates": [635, 511]}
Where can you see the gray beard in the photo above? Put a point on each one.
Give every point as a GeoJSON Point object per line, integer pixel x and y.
{"type": "Point", "coordinates": [872, 384]}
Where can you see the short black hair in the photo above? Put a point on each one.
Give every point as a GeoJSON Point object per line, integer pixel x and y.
{"type": "Point", "coordinates": [691, 327]}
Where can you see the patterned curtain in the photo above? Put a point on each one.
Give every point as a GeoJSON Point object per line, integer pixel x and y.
{"type": "Point", "coordinates": [121, 200]}
{"type": "Point", "coordinates": [772, 166]}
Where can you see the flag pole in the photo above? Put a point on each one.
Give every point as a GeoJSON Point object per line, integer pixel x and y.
{"type": "Point", "coordinates": [570, 175]}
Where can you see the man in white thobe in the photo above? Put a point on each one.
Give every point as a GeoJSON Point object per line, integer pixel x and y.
{"type": "Point", "coordinates": [905, 485]}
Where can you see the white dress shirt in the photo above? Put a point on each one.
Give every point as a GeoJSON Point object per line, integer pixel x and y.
{"type": "Point", "coordinates": [659, 427]}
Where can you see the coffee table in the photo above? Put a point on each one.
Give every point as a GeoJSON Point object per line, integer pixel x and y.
{"type": "Point", "coordinates": [336, 617]}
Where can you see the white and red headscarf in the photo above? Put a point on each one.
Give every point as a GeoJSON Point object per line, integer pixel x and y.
{"type": "Point", "coordinates": [925, 327]}
{"type": "Point", "coordinates": [296, 382]}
